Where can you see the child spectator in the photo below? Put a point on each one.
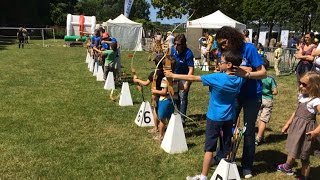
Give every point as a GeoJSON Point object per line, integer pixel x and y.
{"type": "Point", "coordinates": [277, 58]}
{"type": "Point", "coordinates": [224, 87]}
{"type": "Point", "coordinates": [269, 89]}
{"type": "Point", "coordinates": [300, 126]}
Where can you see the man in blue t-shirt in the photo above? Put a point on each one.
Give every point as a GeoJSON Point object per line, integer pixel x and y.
{"type": "Point", "coordinates": [224, 87]}
{"type": "Point", "coordinates": [184, 64]}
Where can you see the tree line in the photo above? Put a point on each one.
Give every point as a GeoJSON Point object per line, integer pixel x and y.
{"type": "Point", "coordinates": [298, 15]}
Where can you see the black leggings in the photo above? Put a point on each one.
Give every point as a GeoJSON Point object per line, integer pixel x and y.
{"type": "Point", "coordinates": [21, 41]}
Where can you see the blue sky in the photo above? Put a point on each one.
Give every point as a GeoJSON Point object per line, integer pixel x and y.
{"type": "Point", "coordinates": [165, 20]}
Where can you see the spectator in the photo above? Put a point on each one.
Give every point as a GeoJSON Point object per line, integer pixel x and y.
{"type": "Point", "coordinates": [277, 58]}
{"type": "Point", "coordinates": [20, 37]}
{"type": "Point", "coordinates": [269, 89]}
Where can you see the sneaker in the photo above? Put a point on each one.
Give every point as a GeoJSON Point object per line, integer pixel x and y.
{"type": "Point", "coordinates": [283, 168]}
{"type": "Point", "coordinates": [196, 177]}
{"type": "Point", "coordinates": [259, 141]}
{"type": "Point", "coordinates": [247, 173]}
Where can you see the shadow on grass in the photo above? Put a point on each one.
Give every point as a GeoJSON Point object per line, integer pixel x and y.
{"type": "Point", "coordinates": [268, 160]}
{"type": "Point", "coordinates": [275, 138]}
{"type": "Point", "coordinates": [6, 42]}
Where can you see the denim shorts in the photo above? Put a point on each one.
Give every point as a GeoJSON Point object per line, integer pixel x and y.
{"type": "Point", "coordinates": [218, 130]}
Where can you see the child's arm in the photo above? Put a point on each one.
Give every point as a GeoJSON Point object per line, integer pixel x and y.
{"type": "Point", "coordinates": [182, 76]}
{"type": "Point", "coordinates": [163, 91]}
{"type": "Point", "coordinates": [141, 82]}
{"type": "Point", "coordinates": [275, 91]}
{"type": "Point", "coordinates": [286, 126]}
{"type": "Point", "coordinates": [316, 132]}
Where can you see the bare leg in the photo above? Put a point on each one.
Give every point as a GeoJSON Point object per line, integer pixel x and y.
{"type": "Point", "coordinates": [206, 163]}
{"type": "Point", "coordinates": [261, 129]}
{"type": "Point", "coordinates": [305, 169]}
{"type": "Point", "coordinates": [161, 128]}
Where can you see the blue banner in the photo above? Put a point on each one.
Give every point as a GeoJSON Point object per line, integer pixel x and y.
{"type": "Point", "coordinates": [127, 7]}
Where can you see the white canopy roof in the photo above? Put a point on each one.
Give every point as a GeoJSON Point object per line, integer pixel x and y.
{"type": "Point", "coordinates": [128, 33]}
{"type": "Point", "coordinates": [215, 21]}
{"type": "Point", "coordinates": [122, 19]}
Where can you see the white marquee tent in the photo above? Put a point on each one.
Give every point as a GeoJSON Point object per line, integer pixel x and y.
{"type": "Point", "coordinates": [128, 33]}
{"type": "Point", "coordinates": [212, 21]}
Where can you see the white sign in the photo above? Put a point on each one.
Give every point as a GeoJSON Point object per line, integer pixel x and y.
{"type": "Point", "coordinates": [262, 38]}
{"type": "Point", "coordinates": [250, 34]}
{"type": "Point", "coordinates": [284, 37]}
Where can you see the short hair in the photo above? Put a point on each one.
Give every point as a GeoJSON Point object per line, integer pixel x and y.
{"type": "Point", "coordinates": [181, 38]}
{"type": "Point", "coordinates": [246, 32]}
{"type": "Point", "coordinates": [114, 46]}
{"type": "Point", "coordinates": [234, 58]}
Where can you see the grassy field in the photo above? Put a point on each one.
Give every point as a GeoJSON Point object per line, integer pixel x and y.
{"type": "Point", "coordinates": [57, 122]}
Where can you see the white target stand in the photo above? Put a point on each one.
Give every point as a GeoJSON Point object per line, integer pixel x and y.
{"type": "Point", "coordinates": [196, 63]}
{"type": "Point", "coordinates": [205, 67]}
{"type": "Point", "coordinates": [100, 73]}
{"type": "Point", "coordinates": [144, 117]}
{"type": "Point", "coordinates": [109, 84]}
{"type": "Point", "coordinates": [174, 140]}
{"type": "Point", "coordinates": [125, 97]}
{"type": "Point", "coordinates": [226, 171]}
{"type": "Point", "coordinates": [87, 58]}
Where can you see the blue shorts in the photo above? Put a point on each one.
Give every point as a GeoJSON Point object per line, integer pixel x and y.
{"type": "Point", "coordinates": [218, 130]}
{"type": "Point", "coordinates": [165, 109]}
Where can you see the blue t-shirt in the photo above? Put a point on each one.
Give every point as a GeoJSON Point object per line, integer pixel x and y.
{"type": "Point", "coordinates": [97, 41]}
{"type": "Point", "coordinates": [114, 40]}
{"type": "Point", "coordinates": [251, 88]}
{"type": "Point", "coordinates": [183, 60]}
{"type": "Point", "coordinates": [224, 89]}
{"type": "Point", "coordinates": [93, 40]}
{"type": "Point", "coordinates": [105, 45]}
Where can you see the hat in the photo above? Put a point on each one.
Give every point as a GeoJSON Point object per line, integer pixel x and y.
{"type": "Point", "coordinates": [169, 32]}
{"type": "Point", "coordinates": [105, 35]}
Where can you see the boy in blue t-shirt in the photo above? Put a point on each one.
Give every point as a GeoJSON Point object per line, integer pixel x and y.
{"type": "Point", "coordinates": [224, 87]}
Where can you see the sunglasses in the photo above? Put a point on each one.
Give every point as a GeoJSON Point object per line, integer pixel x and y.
{"type": "Point", "coordinates": [177, 44]}
{"type": "Point", "coordinates": [303, 84]}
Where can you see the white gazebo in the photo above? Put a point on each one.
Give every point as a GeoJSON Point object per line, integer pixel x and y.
{"type": "Point", "coordinates": [128, 33]}
{"type": "Point", "coordinates": [215, 20]}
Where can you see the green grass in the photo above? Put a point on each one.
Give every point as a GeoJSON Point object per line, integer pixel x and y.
{"type": "Point", "coordinates": [57, 122]}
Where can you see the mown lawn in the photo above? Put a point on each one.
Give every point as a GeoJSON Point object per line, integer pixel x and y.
{"type": "Point", "coordinates": [57, 122]}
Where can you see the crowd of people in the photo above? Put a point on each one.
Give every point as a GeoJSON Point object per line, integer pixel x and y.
{"type": "Point", "coordinates": [239, 83]}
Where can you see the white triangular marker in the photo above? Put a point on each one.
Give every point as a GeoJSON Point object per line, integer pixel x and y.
{"type": "Point", "coordinates": [100, 73]}
{"type": "Point", "coordinates": [226, 170]}
{"type": "Point", "coordinates": [95, 68]}
{"type": "Point", "coordinates": [144, 117]}
{"type": "Point", "coordinates": [174, 140]}
{"type": "Point", "coordinates": [196, 63]}
{"type": "Point", "coordinates": [125, 97]}
{"type": "Point", "coordinates": [91, 64]}
{"type": "Point", "coordinates": [205, 67]}
{"type": "Point", "coordinates": [109, 84]}
{"type": "Point", "coordinates": [88, 58]}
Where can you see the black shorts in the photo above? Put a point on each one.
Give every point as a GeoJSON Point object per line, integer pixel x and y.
{"type": "Point", "coordinates": [218, 130]}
